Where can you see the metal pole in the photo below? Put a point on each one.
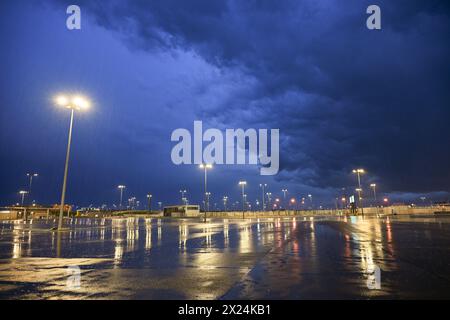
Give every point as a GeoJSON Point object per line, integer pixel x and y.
{"type": "Point", "coordinates": [31, 181]}
{"type": "Point", "coordinates": [206, 190]}
{"type": "Point", "coordinates": [66, 169]}
{"type": "Point", "coordinates": [360, 202]}
{"type": "Point", "coordinates": [359, 193]}
{"type": "Point", "coordinates": [183, 199]}
{"type": "Point", "coordinates": [360, 198]}
{"type": "Point", "coordinates": [243, 201]}
{"type": "Point", "coordinates": [263, 196]}
{"type": "Point", "coordinates": [29, 188]}
{"type": "Point", "coordinates": [284, 198]}
{"type": "Point", "coordinates": [121, 195]}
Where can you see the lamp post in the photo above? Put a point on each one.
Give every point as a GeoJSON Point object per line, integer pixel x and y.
{"type": "Point", "coordinates": [205, 167]}
{"type": "Point", "coordinates": [243, 184]}
{"type": "Point", "coordinates": [208, 196]}
{"type": "Point", "coordinates": [374, 187]}
{"type": "Point", "coordinates": [359, 190]}
{"type": "Point", "coordinates": [23, 193]}
{"type": "Point", "coordinates": [121, 188]}
{"type": "Point", "coordinates": [358, 173]}
{"type": "Point", "coordinates": [310, 200]}
{"type": "Point", "coordinates": [423, 200]}
{"type": "Point", "coordinates": [284, 196]}
{"type": "Point", "coordinates": [343, 199]}
{"type": "Point", "coordinates": [149, 198]}
{"type": "Point", "coordinates": [132, 203]}
{"type": "Point", "coordinates": [73, 103]}
{"type": "Point", "coordinates": [31, 175]}
{"type": "Point", "coordinates": [269, 198]}
{"type": "Point", "coordinates": [225, 200]}
{"type": "Point", "coordinates": [263, 186]}
{"type": "Point", "coordinates": [183, 199]}
{"type": "Point", "coordinates": [293, 203]}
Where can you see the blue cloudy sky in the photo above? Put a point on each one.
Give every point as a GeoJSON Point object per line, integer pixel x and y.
{"type": "Point", "coordinates": [341, 95]}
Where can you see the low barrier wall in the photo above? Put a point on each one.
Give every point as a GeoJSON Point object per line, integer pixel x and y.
{"type": "Point", "coordinates": [394, 210]}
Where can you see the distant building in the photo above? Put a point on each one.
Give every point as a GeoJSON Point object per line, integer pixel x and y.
{"type": "Point", "coordinates": [182, 211]}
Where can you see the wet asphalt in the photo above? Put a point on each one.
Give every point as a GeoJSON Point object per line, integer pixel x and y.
{"type": "Point", "coordinates": [392, 257]}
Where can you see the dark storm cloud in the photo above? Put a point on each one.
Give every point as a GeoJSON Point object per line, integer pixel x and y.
{"type": "Point", "coordinates": [342, 96]}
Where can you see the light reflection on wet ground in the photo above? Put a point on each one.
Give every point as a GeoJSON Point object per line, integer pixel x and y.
{"type": "Point", "coordinates": [285, 258]}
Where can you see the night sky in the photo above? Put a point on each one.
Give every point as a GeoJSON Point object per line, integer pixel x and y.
{"type": "Point", "coordinates": [342, 96]}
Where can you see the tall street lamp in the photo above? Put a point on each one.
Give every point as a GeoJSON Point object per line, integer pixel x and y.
{"type": "Point", "coordinates": [374, 187]}
{"type": "Point", "coordinates": [205, 167]}
{"type": "Point", "coordinates": [423, 200]}
{"type": "Point", "coordinates": [243, 184]}
{"type": "Point", "coordinates": [73, 103]}
{"type": "Point", "coordinates": [23, 193]}
{"type": "Point", "coordinates": [284, 196]}
{"type": "Point", "coordinates": [132, 203]}
{"type": "Point", "coordinates": [31, 175]}
{"type": "Point", "coordinates": [269, 198]}
{"type": "Point", "coordinates": [343, 199]}
{"type": "Point", "coordinates": [183, 199]}
{"type": "Point", "coordinates": [149, 198]}
{"type": "Point", "coordinates": [293, 201]}
{"type": "Point", "coordinates": [310, 200]}
{"type": "Point", "coordinates": [208, 195]}
{"type": "Point", "coordinates": [358, 173]}
{"type": "Point", "coordinates": [121, 188]}
{"type": "Point", "coordinates": [359, 190]}
{"type": "Point", "coordinates": [225, 200]}
{"type": "Point", "coordinates": [263, 186]}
